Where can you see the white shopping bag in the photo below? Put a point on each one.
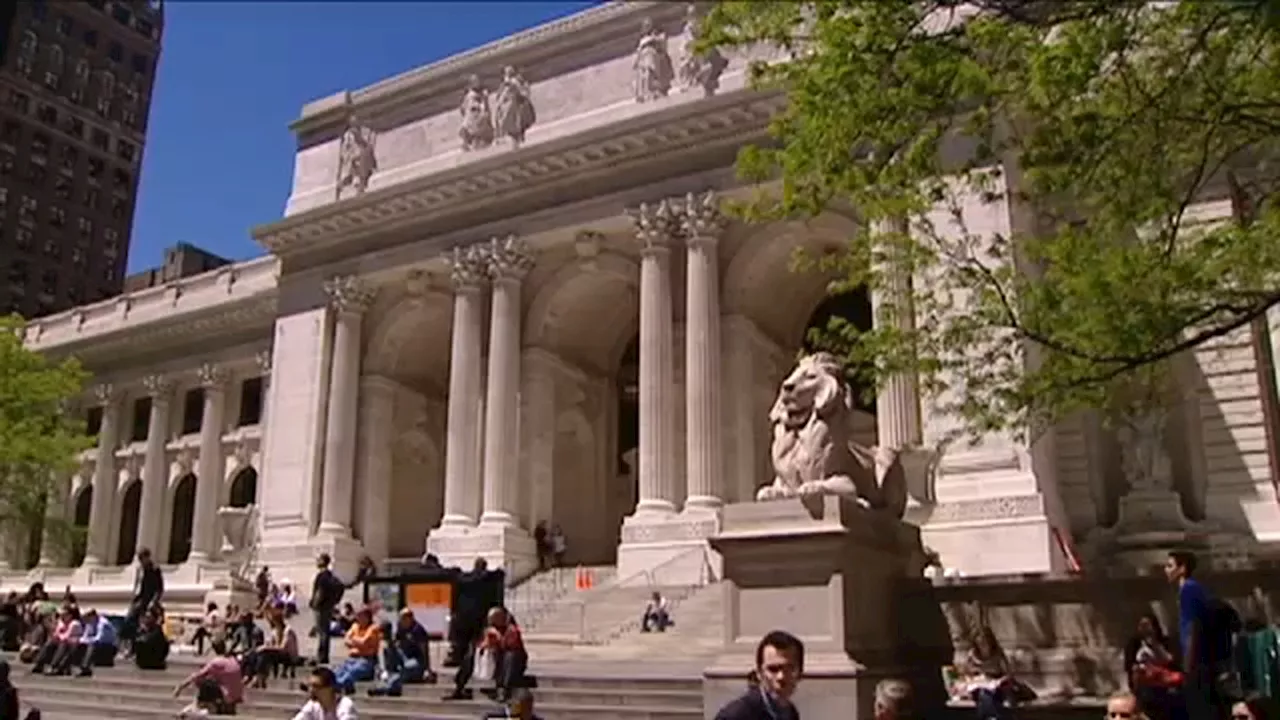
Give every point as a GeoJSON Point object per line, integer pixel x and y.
{"type": "Point", "coordinates": [483, 667]}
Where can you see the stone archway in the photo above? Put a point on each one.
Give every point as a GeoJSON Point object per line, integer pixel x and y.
{"type": "Point", "coordinates": [244, 488]}
{"type": "Point", "coordinates": [769, 306]}
{"type": "Point", "coordinates": [580, 323]}
{"type": "Point", "coordinates": [184, 509]}
{"type": "Point", "coordinates": [81, 505]}
{"type": "Point", "coordinates": [130, 508]}
{"type": "Point", "coordinates": [400, 464]}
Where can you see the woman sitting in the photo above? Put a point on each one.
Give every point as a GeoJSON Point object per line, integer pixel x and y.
{"type": "Point", "coordinates": [1151, 667]}
{"type": "Point", "coordinates": [279, 652]}
{"type": "Point", "coordinates": [987, 678]}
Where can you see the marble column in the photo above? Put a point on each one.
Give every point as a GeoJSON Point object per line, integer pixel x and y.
{"type": "Point", "coordinates": [377, 440]}
{"type": "Point", "coordinates": [508, 262]}
{"type": "Point", "coordinates": [102, 503]}
{"type": "Point", "coordinates": [656, 226]}
{"type": "Point", "coordinates": [349, 297]}
{"type": "Point", "coordinates": [538, 436]}
{"type": "Point", "coordinates": [898, 403]}
{"type": "Point", "coordinates": [461, 473]}
{"type": "Point", "coordinates": [264, 370]}
{"type": "Point", "coordinates": [155, 470]}
{"type": "Point", "coordinates": [205, 538]}
{"type": "Point", "coordinates": [704, 454]}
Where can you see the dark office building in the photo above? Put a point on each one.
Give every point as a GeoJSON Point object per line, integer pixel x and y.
{"type": "Point", "coordinates": [180, 261]}
{"type": "Point", "coordinates": [75, 90]}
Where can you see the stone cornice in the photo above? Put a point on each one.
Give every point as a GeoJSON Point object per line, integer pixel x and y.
{"type": "Point", "coordinates": [644, 136]}
{"type": "Point", "coordinates": [448, 76]}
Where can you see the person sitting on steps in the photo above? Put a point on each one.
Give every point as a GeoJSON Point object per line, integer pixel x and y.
{"type": "Point", "coordinates": [151, 647]}
{"type": "Point", "coordinates": [656, 614]}
{"type": "Point", "coordinates": [503, 643]}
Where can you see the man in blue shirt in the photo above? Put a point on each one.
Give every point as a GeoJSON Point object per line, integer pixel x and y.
{"type": "Point", "coordinates": [1201, 643]}
{"type": "Point", "coordinates": [97, 643]}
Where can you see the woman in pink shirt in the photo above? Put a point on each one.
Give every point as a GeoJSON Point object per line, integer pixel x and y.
{"type": "Point", "coordinates": [66, 636]}
{"type": "Point", "coordinates": [224, 671]}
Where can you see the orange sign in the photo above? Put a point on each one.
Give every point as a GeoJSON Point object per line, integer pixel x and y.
{"type": "Point", "coordinates": [428, 595]}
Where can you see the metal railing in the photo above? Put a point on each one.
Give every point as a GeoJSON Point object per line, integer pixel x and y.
{"type": "Point", "coordinates": [538, 595]}
{"type": "Point", "coordinates": [650, 579]}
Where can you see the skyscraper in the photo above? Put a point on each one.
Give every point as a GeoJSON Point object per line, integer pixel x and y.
{"type": "Point", "coordinates": [75, 91]}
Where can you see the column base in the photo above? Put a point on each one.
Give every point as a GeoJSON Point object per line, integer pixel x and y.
{"type": "Point", "coordinates": [333, 530]}
{"type": "Point", "coordinates": [668, 550]}
{"type": "Point", "coordinates": [506, 547]}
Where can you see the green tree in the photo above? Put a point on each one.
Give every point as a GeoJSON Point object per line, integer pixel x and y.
{"type": "Point", "coordinates": [1110, 119]}
{"type": "Point", "coordinates": [40, 435]}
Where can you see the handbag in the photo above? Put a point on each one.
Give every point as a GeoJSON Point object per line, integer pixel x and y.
{"type": "Point", "coordinates": [1157, 676]}
{"type": "Point", "coordinates": [483, 666]}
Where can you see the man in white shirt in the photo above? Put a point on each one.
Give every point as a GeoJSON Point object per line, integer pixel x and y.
{"type": "Point", "coordinates": [324, 702]}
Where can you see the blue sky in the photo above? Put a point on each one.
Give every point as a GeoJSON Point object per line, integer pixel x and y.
{"type": "Point", "coordinates": [219, 155]}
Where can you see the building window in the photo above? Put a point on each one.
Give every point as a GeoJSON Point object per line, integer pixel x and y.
{"type": "Point", "coordinates": [192, 411]}
{"type": "Point", "coordinates": [141, 417]}
{"type": "Point", "coordinates": [125, 150]}
{"type": "Point", "coordinates": [49, 281]}
{"type": "Point", "coordinates": [65, 26]}
{"type": "Point", "coordinates": [22, 239]}
{"type": "Point", "coordinates": [100, 139]}
{"type": "Point", "coordinates": [250, 402]}
{"type": "Point", "coordinates": [62, 187]}
{"type": "Point", "coordinates": [109, 274]}
{"type": "Point", "coordinates": [118, 208]}
{"type": "Point", "coordinates": [141, 63]}
{"type": "Point", "coordinates": [111, 239]}
{"type": "Point", "coordinates": [86, 227]}
{"type": "Point", "coordinates": [77, 257]}
{"type": "Point", "coordinates": [18, 272]}
{"type": "Point", "coordinates": [91, 38]}
{"type": "Point", "coordinates": [27, 209]}
{"type": "Point", "coordinates": [121, 178]}
{"type": "Point", "coordinates": [19, 101]}
{"type": "Point", "coordinates": [115, 52]}
{"type": "Point", "coordinates": [69, 157]}
{"type": "Point", "coordinates": [28, 46]}
{"type": "Point", "coordinates": [57, 217]}
{"type": "Point", "coordinates": [52, 80]}
{"type": "Point", "coordinates": [91, 198]}
{"type": "Point", "coordinates": [93, 421]}
{"type": "Point", "coordinates": [35, 174]}
{"type": "Point", "coordinates": [82, 70]}
{"type": "Point", "coordinates": [6, 165]}
{"type": "Point", "coordinates": [48, 115]}
{"type": "Point", "coordinates": [145, 28]}
{"type": "Point", "coordinates": [40, 144]}
{"type": "Point", "coordinates": [107, 83]}
{"type": "Point", "coordinates": [96, 167]}
{"type": "Point", "coordinates": [4, 199]}
{"type": "Point", "coordinates": [38, 10]}
{"type": "Point", "coordinates": [10, 132]}
{"type": "Point", "coordinates": [75, 128]}
{"type": "Point", "coordinates": [121, 14]}
{"type": "Point", "coordinates": [53, 251]}
{"type": "Point", "coordinates": [130, 119]}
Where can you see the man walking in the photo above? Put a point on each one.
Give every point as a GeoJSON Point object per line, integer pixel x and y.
{"type": "Point", "coordinates": [148, 590]}
{"type": "Point", "coordinates": [1206, 643]}
{"type": "Point", "coordinates": [326, 592]}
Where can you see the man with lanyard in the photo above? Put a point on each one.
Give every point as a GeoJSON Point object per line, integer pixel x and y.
{"type": "Point", "coordinates": [779, 665]}
{"type": "Point", "coordinates": [148, 589]}
{"type": "Point", "coordinates": [326, 592]}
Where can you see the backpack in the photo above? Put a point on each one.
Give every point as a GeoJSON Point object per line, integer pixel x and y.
{"type": "Point", "coordinates": [1221, 625]}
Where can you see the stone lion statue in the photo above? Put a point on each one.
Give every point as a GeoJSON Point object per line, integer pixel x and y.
{"type": "Point", "coordinates": [813, 449]}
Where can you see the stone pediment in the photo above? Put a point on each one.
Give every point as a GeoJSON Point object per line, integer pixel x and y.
{"type": "Point", "coordinates": [229, 299]}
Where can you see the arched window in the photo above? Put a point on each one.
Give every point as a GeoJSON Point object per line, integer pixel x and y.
{"type": "Point", "coordinates": [108, 83]}
{"type": "Point", "coordinates": [55, 58]}
{"type": "Point", "coordinates": [27, 48]}
{"type": "Point", "coordinates": [82, 70]}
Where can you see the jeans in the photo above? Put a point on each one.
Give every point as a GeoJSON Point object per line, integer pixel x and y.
{"type": "Point", "coordinates": [323, 618]}
{"type": "Point", "coordinates": [991, 704]}
{"type": "Point", "coordinates": [354, 670]}
{"type": "Point", "coordinates": [400, 670]}
{"type": "Point", "coordinates": [1199, 695]}
{"type": "Point", "coordinates": [655, 619]}
{"type": "Point", "coordinates": [508, 672]}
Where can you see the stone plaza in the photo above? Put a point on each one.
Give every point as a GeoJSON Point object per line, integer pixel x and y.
{"type": "Point", "coordinates": [503, 292]}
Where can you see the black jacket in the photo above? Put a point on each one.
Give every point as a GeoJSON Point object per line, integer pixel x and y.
{"type": "Point", "coordinates": [326, 590]}
{"type": "Point", "coordinates": [753, 706]}
{"type": "Point", "coordinates": [149, 586]}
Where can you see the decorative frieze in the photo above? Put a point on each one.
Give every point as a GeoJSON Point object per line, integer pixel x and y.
{"type": "Point", "coordinates": [349, 294]}
{"type": "Point", "coordinates": [468, 267]}
{"type": "Point", "coordinates": [507, 258]}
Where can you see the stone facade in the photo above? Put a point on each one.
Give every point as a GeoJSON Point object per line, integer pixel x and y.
{"type": "Point", "coordinates": [465, 329]}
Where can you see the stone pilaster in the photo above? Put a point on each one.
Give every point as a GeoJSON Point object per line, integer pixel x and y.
{"type": "Point", "coordinates": [155, 470]}
{"type": "Point", "coordinates": [349, 297]}
{"type": "Point", "coordinates": [205, 538]}
{"type": "Point", "coordinates": [702, 224]}
{"type": "Point", "coordinates": [462, 469]}
{"type": "Point", "coordinates": [103, 501]}
{"type": "Point", "coordinates": [898, 404]}
{"type": "Point", "coordinates": [376, 446]}
{"type": "Point", "coordinates": [538, 435]}
{"type": "Point", "coordinates": [508, 263]}
{"type": "Point", "coordinates": [55, 511]}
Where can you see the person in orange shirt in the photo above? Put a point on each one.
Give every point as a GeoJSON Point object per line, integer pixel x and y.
{"type": "Point", "coordinates": [363, 641]}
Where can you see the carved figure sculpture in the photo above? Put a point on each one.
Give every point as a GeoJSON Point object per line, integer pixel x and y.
{"type": "Point", "coordinates": [477, 120]}
{"type": "Point", "coordinates": [240, 530]}
{"type": "Point", "coordinates": [699, 69]}
{"type": "Point", "coordinates": [813, 451]}
{"type": "Point", "coordinates": [513, 112]}
{"type": "Point", "coordinates": [356, 158]}
{"type": "Point", "coordinates": [652, 66]}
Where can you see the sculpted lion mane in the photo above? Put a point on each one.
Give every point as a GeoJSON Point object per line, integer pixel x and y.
{"type": "Point", "coordinates": [813, 449]}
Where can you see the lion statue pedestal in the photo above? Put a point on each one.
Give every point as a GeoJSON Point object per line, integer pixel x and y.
{"type": "Point", "coordinates": [830, 571]}
{"type": "Point", "coordinates": [239, 528]}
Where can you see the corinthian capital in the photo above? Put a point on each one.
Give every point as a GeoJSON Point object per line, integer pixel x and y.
{"type": "Point", "coordinates": [104, 394]}
{"type": "Point", "coordinates": [468, 267]}
{"type": "Point", "coordinates": [158, 387]}
{"type": "Point", "coordinates": [508, 258]}
{"type": "Point", "coordinates": [700, 217]}
{"type": "Point", "coordinates": [211, 376]}
{"type": "Point", "coordinates": [349, 294]}
{"type": "Point", "coordinates": [656, 224]}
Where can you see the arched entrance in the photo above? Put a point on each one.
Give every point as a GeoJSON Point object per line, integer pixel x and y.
{"type": "Point", "coordinates": [244, 488]}
{"type": "Point", "coordinates": [184, 509]}
{"type": "Point", "coordinates": [852, 307]}
{"type": "Point", "coordinates": [130, 506]}
{"type": "Point", "coordinates": [80, 523]}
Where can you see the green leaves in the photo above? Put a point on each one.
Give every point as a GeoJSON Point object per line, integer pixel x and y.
{"type": "Point", "coordinates": [1097, 129]}
{"type": "Point", "coordinates": [40, 433]}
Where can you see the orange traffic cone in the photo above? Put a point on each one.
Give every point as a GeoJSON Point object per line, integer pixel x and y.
{"type": "Point", "coordinates": [580, 579]}
{"type": "Point", "coordinates": [590, 577]}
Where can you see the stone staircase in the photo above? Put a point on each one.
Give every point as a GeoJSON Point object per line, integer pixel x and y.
{"type": "Point", "coordinates": [627, 693]}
